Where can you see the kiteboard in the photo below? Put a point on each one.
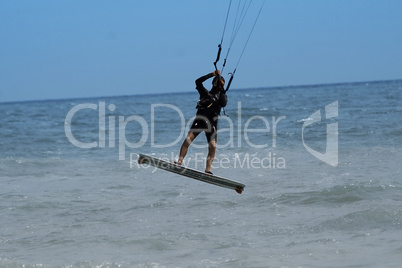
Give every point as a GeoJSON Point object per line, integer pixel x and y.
{"type": "Point", "coordinates": [191, 173]}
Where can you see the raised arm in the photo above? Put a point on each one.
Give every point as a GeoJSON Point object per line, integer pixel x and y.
{"type": "Point", "coordinates": [198, 83]}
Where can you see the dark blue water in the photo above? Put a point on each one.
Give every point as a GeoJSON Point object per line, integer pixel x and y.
{"type": "Point", "coordinates": [72, 194]}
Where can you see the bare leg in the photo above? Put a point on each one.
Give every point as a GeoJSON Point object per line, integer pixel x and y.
{"type": "Point", "coordinates": [211, 155]}
{"type": "Point", "coordinates": [184, 147]}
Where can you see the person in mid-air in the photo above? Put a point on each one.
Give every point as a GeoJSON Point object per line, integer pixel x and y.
{"type": "Point", "coordinates": [208, 110]}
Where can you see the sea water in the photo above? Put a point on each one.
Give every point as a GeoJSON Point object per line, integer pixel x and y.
{"type": "Point", "coordinates": [321, 165]}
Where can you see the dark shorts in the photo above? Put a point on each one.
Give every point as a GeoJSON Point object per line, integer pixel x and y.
{"type": "Point", "coordinates": [201, 124]}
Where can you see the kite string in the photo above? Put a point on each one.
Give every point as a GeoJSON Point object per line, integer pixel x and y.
{"type": "Point", "coordinates": [248, 38]}
{"type": "Point", "coordinates": [244, 48]}
{"type": "Point", "coordinates": [223, 34]}
{"type": "Point", "coordinates": [238, 21]}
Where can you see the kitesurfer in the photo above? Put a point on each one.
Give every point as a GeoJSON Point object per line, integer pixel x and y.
{"type": "Point", "coordinates": [208, 110]}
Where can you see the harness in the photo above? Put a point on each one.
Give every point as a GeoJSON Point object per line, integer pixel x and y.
{"type": "Point", "coordinates": [207, 101]}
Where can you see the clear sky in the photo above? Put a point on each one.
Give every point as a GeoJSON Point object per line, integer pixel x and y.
{"type": "Point", "coordinates": [72, 49]}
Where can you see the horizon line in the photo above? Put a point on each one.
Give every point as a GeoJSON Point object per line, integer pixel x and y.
{"type": "Point", "coordinates": [181, 92]}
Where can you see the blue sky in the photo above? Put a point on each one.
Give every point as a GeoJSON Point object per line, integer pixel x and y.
{"type": "Point", "coordinates": [73, 49]}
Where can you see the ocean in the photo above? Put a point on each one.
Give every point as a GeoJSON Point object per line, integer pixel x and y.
{"type": "Point", "coordinates": [321, 165]}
